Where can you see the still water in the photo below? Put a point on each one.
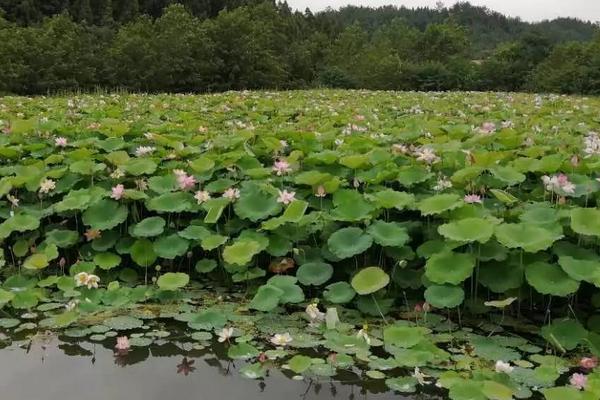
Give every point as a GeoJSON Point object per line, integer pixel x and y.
{"type": "Point", "coordinates": [56, 370]}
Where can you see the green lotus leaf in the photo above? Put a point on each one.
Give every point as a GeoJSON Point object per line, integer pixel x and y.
{"type": "Point", "coordinates": [468, 230]}
{"type": "Point", "coordinates": [170, 246]}
{"type": "Point", "coordinates": [369, 280]}
{"type": "Point", "coordinates": [266, 298]}
{"type": "Point", "coordinates": [207, 320]}
{"type": "Point", "coordinates": [439, 203]}
{"type": "Point", "coordinates": [123, 323]}
{"type": "Point", "coordinates": [86, 167]}
{"type": "Point", "coordinates": [299, 363]}
{"type": "Point", "coordinates": [5, 297]}
{"type": "Point", "coordinates": [500, 277]}
{"type": "Point", "coordinates": [339, 293]}
{"type": "Point", "coordinates": [403, 336]}
{"type": "Point", "coordinates": [530, 238]}
{"type": "Point", "coordinates": [586, 221]}
{"type": "Point", "coordinates": [350, 205]}
{"type": "Point", "coordinates": [444, 296]}
{"type": "Point", "coordinates": [171, 202]}
{"type": "Point", "coordinates": [550, 279]}
{"type": "Point", "coordinates": [36, 261]}
{"type": "Point", "coordinates": [312, 178]}
{"type": "Point", "coordinates": [117, 157]}
{"type": "Point", "coordinates": [201, 164]}
{"type": "Point", "coordinates": [391, 234]}
{"type": "Point", "coordinates": [566, 392]}
{"type": "Point", "coordinates": [449, 267]}
{"type": "Point", "coordinates": [139, 166]}
{"type": "Point", "coordinates": [504, 196]}
{"type": "Point", "coordinates": [564, 334]}
{"type": "Point", "coordinates": [314, 273]}
{"type": "Point", "coordinates": [107, 261]}
{"type": "Point", "coordinates": [292, 293]}
{"type": "Point", "coordinates": [508, 175]}
{"type": "Point", "coordinates": [212, 241]}
{"type": "Point", "coordinates": [142, 253]}
{"type": "Point", "coordinates": [172, 280]}
{"type": "Point", "coordinates": [194, 232]}
{"type": "Point", "coordinates": [413, 174]}
{"type": "Point", "coordinates": [581, 269]}
{"type": "Point", "coordinates": [22, 223]}
{"type": "Point", "coordinates": [25, 300]}
{"type": "Point", "coordinates": [75, 200]}
{"type": "Point", "coordinates": [392, 199]}
{"type": "Point", "coordinates": [256, 204]}
{"type": "Point", "coordinates": [163, 184]}
{"type": "Point", "coordinates": [404, 384]}
{"type": "Point", "coordinates": [105, 215]}
{"type": "Point", "coordinates": [62, 238]}
{"type": "Point", "coordinates": [348, 242]}
{"type": "Point", "coordinates": [241, 252]}
{"type": "Point", "coordinates": [242, 351]}
{"type": "Point", "coordinates": [109, 239]}
{"type": "Point", "coordinates": [205, 265]}
{"type": "Point", "coordinates": [148, 227]}
{"type": "Point", "coordinates": [295, 211]}
{"type": "Point", "coordinates": [496, 390]}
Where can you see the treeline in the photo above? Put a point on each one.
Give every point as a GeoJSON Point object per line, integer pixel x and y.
{"type": "Point", "coordinates": [214, 45]}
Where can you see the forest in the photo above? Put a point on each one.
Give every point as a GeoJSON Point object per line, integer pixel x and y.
{"type": "Point", "coordinates": [216, 45]}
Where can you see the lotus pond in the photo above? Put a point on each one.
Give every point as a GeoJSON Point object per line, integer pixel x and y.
{"type": "Point", "coordinates": [347, 244]}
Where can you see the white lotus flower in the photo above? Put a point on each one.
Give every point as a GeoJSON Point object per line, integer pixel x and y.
{"type": "Point", "coordinates": [502, 366]}
{"type": "Point", "coordinates": [225, 335]}
{"type": "Point", "coordinates": [281, 339]}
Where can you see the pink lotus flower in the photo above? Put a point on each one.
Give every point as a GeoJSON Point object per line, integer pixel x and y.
{"type": "Point", "coordinates": [232, 194]}
{"type": "Point", "coordinates": [60, 142]}
{"type": "Point", "coordinates": [588, 362]}
{"type": "Point", "coordinates": [286, 197]}
{"type": "Point", "coordinates": [473, 198]}
{"type": "Point", "coordinates": [122, 344]}
{"type": "Point", "coordinates": [579, 381]}
{"type": "Point", "coordinates": [117, 192]}
{"type": "Point", "coordinates": [281, 167]}
{"type": "Point", "coordinates": [186, 182]}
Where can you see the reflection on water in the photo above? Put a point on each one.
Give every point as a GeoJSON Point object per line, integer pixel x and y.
{"type": "Point", "coordinates": [50, 368]}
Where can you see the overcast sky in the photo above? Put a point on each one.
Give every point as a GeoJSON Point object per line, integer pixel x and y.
{"type": "Point", "coordinates": [530, 10]}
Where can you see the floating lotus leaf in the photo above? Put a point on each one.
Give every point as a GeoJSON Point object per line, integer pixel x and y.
{"type": "Point", "coordinates": [390, 234]}
{"type": "Point", "coordinates": [105, 215]}
{"type": "Point", "coordinates": [312, 178]}
{"type": "Point", "coordinates": [148, 227]}
{"type": "Point", "coordinates": [413, 174]}
{"type": "Point", "coordinates": [142, 252]}
{"type": "Point", "coordinates": [314, 273]}
{"type": "Point", "coordinates": [295, 211]}
{"type": "Point", "coordinates": [124, 322]}
{"type": "Point", "coordinates": [266, 298]}
{"type": "Point", "coordinates": [256, 204]}
{"type": "Point", "coordinates": [241, 252]}
{"type": "Point", "coordinates": [139, 166]}
{"type": "Point", "coordinates": [405, 384]}
{"type": "Point", "coordinates": [339, 293]}
{"type": "Point", "coordinates": [504, 196]}
{"type": "Point", "coordinates": [170, 246]}
{"type": "Point", "coordinates": [62, 237]}
{"type": "Point", "coordinates": [163, 184]}
{"type": "Point", "coordinates": [444, 296]}
{"type": "Point", "coordinates": [171, 202]}
{"type": "Point", "coordinates": [564, 334]}
{"type": "Point", "coordinates": [242, 351]}
{"type": "Point", "coordinates": [207, 320]}
{"type": "Point", "coordinates": [348, 242]}
{"type": "Point", "coordinates": [5, 297]}
{"type": "Point", "coordinates": [350, 205]}
{"type": "Point", "coordinates": [107, 261]}
{"type": "Point", "coordinates": [449, 267]}
{"type": "Point", "coordinates": [299, 363]}
{"type": "Point", "coordinates": [369, 280]}
{"type": "Point", "coordinates": [201, 164]}
{"type": "Point", "coordinates": [253, 371]}
{"type": "Point", "coordinates": [403, 336]}
{"type": "Point", "coordinates": [586, 221]}
{"type": "Point", "coordinates": [86, 167]}
{"type": "Point", "coordinates": [173, 280]}
{"type": "Point", "coordinates": [392, 199]}
{"type": "Point", "coordinates": [500, 277]}
{"type": "Point", "coordinates": [439, 203]}
{"type": "Point", "coordinates": [212, 241]}
{"type": "Point", "coordinates": [292, 293]}
{"type": "Point", "coordinates": [550, 279]}
{"type": "Point", "coordinates": [566, 392]}
{"type": "Point", "coordinates": [468, 230]}
{"type": "Point", "coordinates": [530, 238]}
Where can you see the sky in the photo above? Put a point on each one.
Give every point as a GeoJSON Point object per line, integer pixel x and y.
{"type": "Point", "coordinates": [528, 10]}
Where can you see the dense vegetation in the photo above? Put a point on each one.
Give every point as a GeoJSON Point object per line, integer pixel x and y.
{"type": "Point", "coordinates": [196, 46]}
{"type": "Point", "coordinates": [391, 218]}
